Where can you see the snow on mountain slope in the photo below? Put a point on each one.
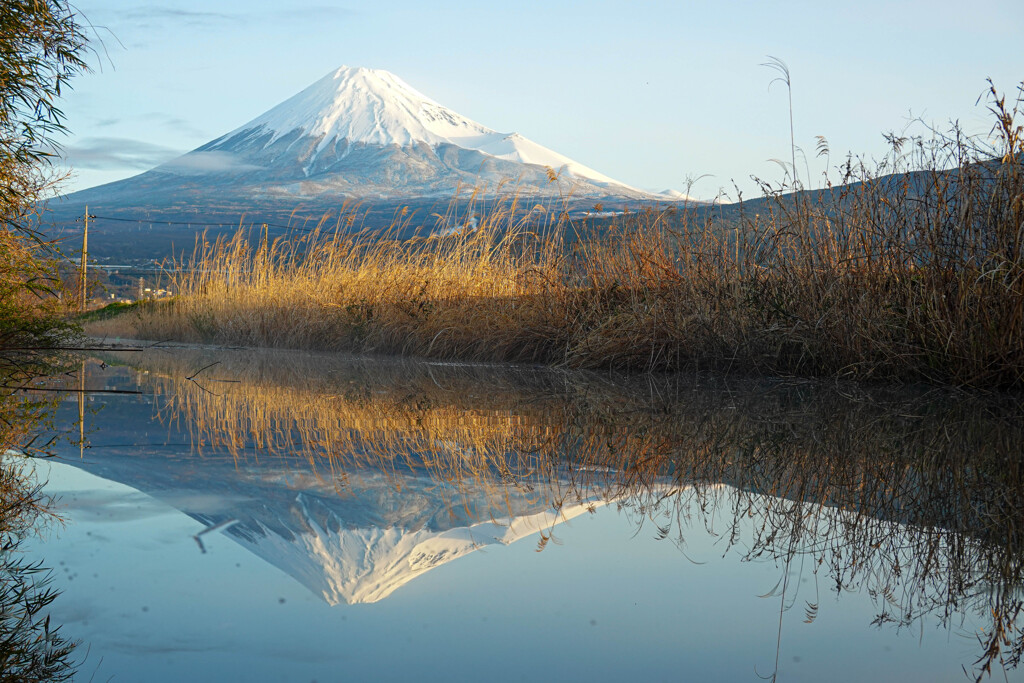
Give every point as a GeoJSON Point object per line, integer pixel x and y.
{"type": "Point", "coordinates": [374, 107]}
{"type": "Point", "coordinates": [676, 195]}
{"type": "Point", "coordinates": [369, 106]}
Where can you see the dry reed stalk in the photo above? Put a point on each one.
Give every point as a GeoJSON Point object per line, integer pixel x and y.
{"type": "Point", "coordinates": [912, 272]}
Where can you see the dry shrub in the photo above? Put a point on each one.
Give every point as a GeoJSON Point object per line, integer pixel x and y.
{"type": "Point", "coordinates": [30, 311]}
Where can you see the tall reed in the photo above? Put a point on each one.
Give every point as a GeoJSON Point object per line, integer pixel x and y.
{"type": "Point", "coordinates": [912, 270]}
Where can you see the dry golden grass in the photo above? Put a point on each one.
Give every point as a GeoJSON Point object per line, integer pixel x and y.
{"type": "Point", "coordinates": [912, 272]}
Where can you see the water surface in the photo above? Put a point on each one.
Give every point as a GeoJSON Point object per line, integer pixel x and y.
{"type": "Point", "coordinates": [294, 517]}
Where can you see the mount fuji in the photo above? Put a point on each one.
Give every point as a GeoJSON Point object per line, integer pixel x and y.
{"type": "Point", "coordinates": [367, 130]}
{"type": "Point", "coordinates": [357, 134]}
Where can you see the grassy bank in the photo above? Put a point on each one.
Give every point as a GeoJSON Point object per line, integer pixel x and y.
{"type": "Point", "coordinates": [913, 270]}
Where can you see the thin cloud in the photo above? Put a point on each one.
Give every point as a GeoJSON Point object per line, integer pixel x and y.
{"type": "Point", "coordinates": [114, 154]}
{"type": "Point", "coordinates": [158, 16]}
{"type": "Point", "coordinates": [148, 13]}
{"type": "Point", "coordinates": [315, 13]}
{"type": "Point", "coordinates": [198, 163]}
{"type": "Point", "coordinates": [175, 124]}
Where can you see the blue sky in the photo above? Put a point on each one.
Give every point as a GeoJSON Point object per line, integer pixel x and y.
{"type": "Point", "coordinates": [650, 93]}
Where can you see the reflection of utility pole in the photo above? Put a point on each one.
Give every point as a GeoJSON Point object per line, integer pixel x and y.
{"type": "Point", "coordinates": [81, 411]}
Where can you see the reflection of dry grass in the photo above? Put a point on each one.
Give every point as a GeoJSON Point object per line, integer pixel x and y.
{"type": "Point", "coordinates": [22, 502]}
{"type": "Point", "coordinates": [337, 426]}
{"type": "Point", "coordinates": [25, 420]}
{"type": "Point", "coordinates": [929, 486]}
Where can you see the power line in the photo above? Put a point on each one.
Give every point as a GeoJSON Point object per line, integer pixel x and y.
{"type": "Point", "coordinates": [202, 223]}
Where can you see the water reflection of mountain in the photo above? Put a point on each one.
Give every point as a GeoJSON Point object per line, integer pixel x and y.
{"type": "Point", "coordinates": [352, 543]}
{"type": "Point", "coordinates": [367, 562]}
{"type": "Point", "coordinates": [349, 536]}
{"type": "Point", "coordinates": [401, 466]}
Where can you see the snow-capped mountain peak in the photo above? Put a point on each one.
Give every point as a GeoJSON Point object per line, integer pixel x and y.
{"type": "Point", "coordinates": [370, 106]}
{"type": "Point", "coordinates": [362, 134]}
{"type": "Point", "coordinates": [361, 106]}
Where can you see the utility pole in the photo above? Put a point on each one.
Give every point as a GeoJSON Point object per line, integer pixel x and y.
{"type": "Point", "coordinates": [266, 246]}
{"type": "Point", "coordinates": [85, 261]}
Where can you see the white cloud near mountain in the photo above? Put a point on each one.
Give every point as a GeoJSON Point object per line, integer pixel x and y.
{"type": "Point", "coordinates": [198, 163]}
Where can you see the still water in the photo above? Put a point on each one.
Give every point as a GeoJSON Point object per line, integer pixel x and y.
{"type": "Point", "coordinates": [233, 515]}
